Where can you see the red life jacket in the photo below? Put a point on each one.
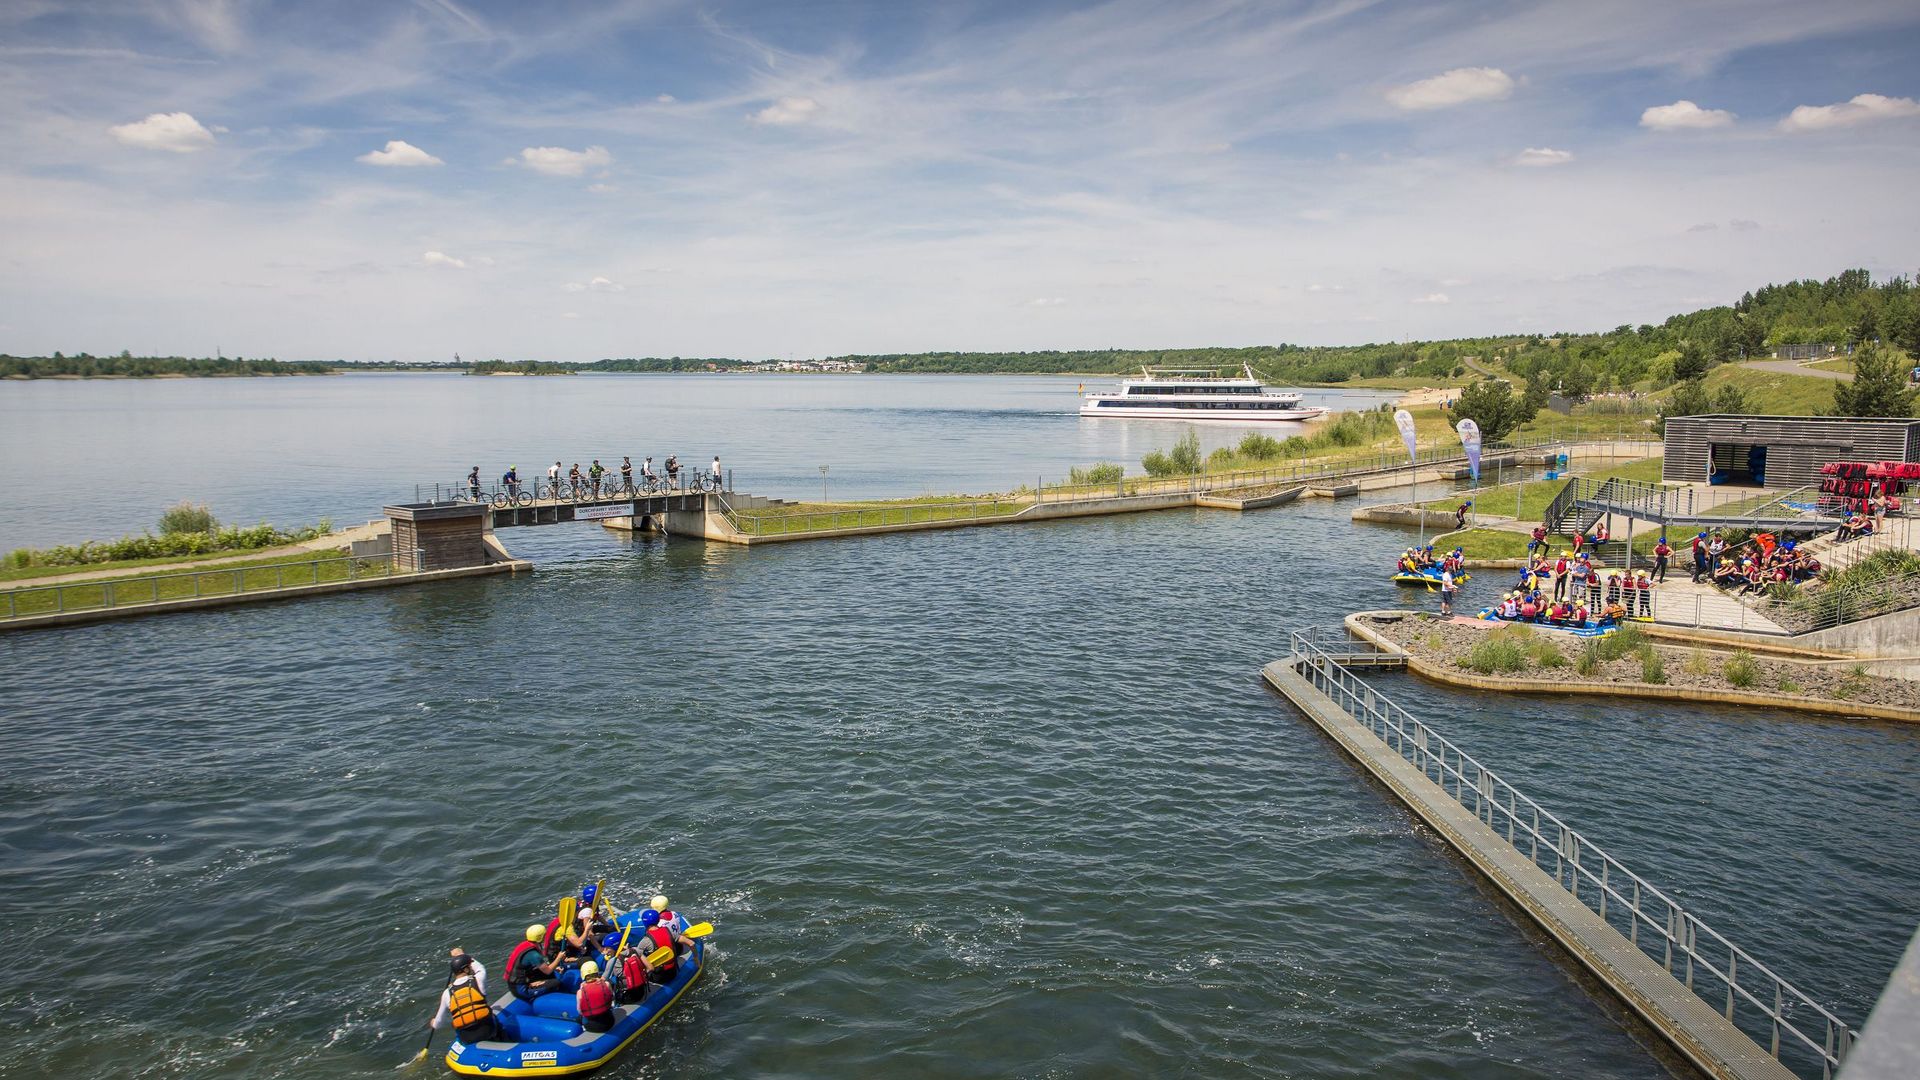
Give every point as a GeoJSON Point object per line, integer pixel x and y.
{"type": "Point", "coordinates": [632, 971]}
{"type": "Point", "coordinates": [595, 998]}
{"type": "Point", "coordinates": [553, 932]}
{"type": "Point", "coordinates": [514, 957]}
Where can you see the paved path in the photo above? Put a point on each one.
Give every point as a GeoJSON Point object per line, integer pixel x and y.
{"type": "Point", "coordinates": [1794, 367]}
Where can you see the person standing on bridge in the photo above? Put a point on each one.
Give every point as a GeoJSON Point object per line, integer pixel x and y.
{"type": "Point", "coordinates": [673, 471]}
{"type": "Point", "coordinates": [573, 479]}
{"type": "Point", "coordinates": [594, 473]}
{"type": "Point", "coordinates": [717, 473]}
{"type": "Point", "coordinates": [626, 474]}
{"type": "Point", "coordinates": [553, 481]}
{"type": "Point", "coordinates": [511, 481]}
{"type": "Point", "coordinates": [473, 483]}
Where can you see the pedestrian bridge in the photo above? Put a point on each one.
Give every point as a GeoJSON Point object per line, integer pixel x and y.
{"type": "Point", "coordinates": [454, 528]}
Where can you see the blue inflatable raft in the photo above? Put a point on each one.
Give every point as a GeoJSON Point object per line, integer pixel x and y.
{"type": "Point", "coordinates": [1429, 577]}
{"type": "Point", "coordinates": [1600, 629]}
{"type": "Point", "coordinates": [545, 1037]}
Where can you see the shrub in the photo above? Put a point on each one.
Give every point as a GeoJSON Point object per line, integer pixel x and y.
{"type": "Point", "coordinates": [1546, 654]}
{"type": "Point", "coordinates": [1501, 652]}
{"type": "Point", "coordinates": [1101, 472]}
{"type": "Point", "coordinates": [1295, 446]}
{"type": "Point", "coordinates": [1698, 664]}
{"type": "Point", "coordinates": [1740, 670]}
{"type": "Point", "coordinates": [185, 517]}
{"type": "Point", "coordinates": [1182, 460]}
{"type": "Point", "coordinates": [1589, 662]}
{"type": "Point", "coordinates": [1259, 447]}
{"type": "Point", "coordinates": [1652, 668]}
{"type": "Point", "coordinates": [1788, 686]}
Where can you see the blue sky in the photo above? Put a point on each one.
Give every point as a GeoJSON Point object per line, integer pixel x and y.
{"type": "Point", "coordinates": [407, 180]}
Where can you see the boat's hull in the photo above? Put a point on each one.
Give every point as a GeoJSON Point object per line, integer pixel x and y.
{"type": "Point", "coordinates": [550, 1041]}
{"type": "Point", "coordinates": [1232, 416]}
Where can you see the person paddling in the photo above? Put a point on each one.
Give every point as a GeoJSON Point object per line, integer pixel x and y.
{"type": "Point", "coordinates": [464, 1002]}
{"type": "Point", "coordinates": [527, 975]}
{"type": "Point", "coordinates": [595, 999]}
{"type": "Point", "coordinates": [661, 937]}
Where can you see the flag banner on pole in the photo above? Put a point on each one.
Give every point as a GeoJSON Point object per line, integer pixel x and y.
{"type": "Point", "coordinates": [1470, 442]}
{"type": "Point", "coordinates": [1404, 421]}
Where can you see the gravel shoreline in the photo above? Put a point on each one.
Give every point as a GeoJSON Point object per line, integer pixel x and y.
{"type": "Point", "coordinates": [1444, 644]}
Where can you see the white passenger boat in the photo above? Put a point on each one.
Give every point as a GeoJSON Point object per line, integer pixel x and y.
{"type": "Point", "coordinates": [1197, 394]}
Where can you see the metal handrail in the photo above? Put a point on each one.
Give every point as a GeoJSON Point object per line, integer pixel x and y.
{"type": "Point", "coordinates": [1133, 487]}
{"type": "Point", "coordinates": [136, 590]}
{"type": "Point", "coordinates": [1673, 935]}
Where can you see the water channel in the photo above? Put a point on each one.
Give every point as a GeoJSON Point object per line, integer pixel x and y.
{"type": "Point", "coordinates": [983, 803]}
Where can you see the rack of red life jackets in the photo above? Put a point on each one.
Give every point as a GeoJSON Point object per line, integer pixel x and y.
{"type": "Point", "coordinates": [1856, 484]}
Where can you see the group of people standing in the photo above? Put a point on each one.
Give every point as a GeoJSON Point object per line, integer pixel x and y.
{"type": "Point", "coordinates": [594, 481]}
{"type": "Point", "coordinates": [592, 956]}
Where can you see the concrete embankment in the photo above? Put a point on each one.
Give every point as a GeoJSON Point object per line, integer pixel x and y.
{"type": "Point", "coordinates": [1707, 1039]}
{"type": "Point", "coordinates": [1563, 681]}
{"type": "Point", "coordinates": [256, 596]}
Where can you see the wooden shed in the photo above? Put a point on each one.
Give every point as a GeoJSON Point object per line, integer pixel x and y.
{"type": "Point", "coordinates": [1780, 451]}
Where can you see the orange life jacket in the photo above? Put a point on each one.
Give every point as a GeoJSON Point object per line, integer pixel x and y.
{"type": "Point", "coordinates": [466, 1004]}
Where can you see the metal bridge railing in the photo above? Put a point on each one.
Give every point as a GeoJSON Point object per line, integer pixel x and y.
{"type": "Point", "coordinates": [146, 589]}
{"type": "Point", "coordinates": [1795, 1029]}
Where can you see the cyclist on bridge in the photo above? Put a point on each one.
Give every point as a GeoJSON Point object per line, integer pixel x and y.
{"type": "Point", "coordinates": [511, 478]}
{"type": "Point", "coordinates": [594, 474]}
{"type": "Point", "coordinates": [626, 474]}
{"type": "Point", "coordinates": [717, 474]}
{"type": "Point", "coordinates": [553, 481]}
{"type": "Point", "coordinates": [473, 482]}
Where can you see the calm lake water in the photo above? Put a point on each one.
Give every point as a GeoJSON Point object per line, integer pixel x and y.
{"type": "Point", "coordinates": [982, 803]}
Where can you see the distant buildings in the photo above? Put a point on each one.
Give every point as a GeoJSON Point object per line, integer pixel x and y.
{"type": "Point", "coordinates": [843, 367]}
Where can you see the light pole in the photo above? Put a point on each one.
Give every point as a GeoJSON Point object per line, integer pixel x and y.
{"type": "Point", "coordinates": [823, 483]}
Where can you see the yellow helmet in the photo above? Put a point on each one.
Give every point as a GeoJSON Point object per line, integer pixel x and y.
{"type": "Point", "coordinates": [589, 968]}
{"type": "Point", "coordinates": [536, 933]}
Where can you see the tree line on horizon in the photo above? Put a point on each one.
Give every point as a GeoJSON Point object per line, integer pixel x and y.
{"type": "Point", "coordinates": [1843, 310]}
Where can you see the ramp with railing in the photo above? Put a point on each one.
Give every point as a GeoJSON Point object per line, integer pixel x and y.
{"type": "Point", "coordinates": [1730, 1014]}
{"type": "Point", "coordinates": [1585, 499]}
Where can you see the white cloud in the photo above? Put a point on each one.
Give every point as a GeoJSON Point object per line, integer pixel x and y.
{"type": "Point", "coordinates": [1433, 298]}
{"type": "Point", "coordinates": [788, 110]}
{"type": "Point", "coordinates": [559, 161]}
{"type": "Point", "coordinates": [1456, 87]}
{"type": "Point", "coordinates": [1684, 116]}
{"type": "Point", "coordinates": [666, 99]}
{"type": "Point", "coordinates": [598, 284]}
{"type": "Point", "coordinates": [602, 189]}
{"type": "Point", "coordinates": [399, 154]}
{"type": "Point", "coordinates": [1742, 225]}
{"type": "Point", "coordinates": [438, 258]}
{"type": "Point", "coordinates": [1705, 226]}
{"type": "Point", "coordinates": [569, 314]}
{"type": "Point", "coordinates": [1540, 157]}
{"type": "Point", "coordinates": [1316, 214]}
{"type": "Point", "coordinates": [1860, 110]}
{"type": "Point", "coordinates": [1047, 301]}
{"type": "Point", "coordinates": [175, 131]}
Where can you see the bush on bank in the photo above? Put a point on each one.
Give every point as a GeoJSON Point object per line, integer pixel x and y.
{"type": "Point", "coordinates": [185, 530]}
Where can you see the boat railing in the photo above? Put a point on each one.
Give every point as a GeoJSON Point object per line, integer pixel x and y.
{"type": "Point", "coordinates": [1724, 976]}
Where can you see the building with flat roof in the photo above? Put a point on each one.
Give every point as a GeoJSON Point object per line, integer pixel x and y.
{"type": "Point", "coordinates": [1779, 451]}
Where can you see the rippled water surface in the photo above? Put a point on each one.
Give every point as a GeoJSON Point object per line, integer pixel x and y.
{"type": "Point", "coordinates": [983, 803]}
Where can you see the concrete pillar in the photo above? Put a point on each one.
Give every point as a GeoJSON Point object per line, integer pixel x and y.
{"type": "Point", "coordinates": [447, 536]}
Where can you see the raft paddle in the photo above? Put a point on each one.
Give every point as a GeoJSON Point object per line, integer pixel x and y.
{"type": "Point", "coordinates": [698, 930]}
{"type": "Point", "coordinates": [422, 1055]}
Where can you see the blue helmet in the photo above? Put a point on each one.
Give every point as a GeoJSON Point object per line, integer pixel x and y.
{"type": "Point", "coordinates": [588, 892]}
{"type": "Point", "coordinates": [649, 917]}
{"type": "Point", "coordinates": [610, 942]}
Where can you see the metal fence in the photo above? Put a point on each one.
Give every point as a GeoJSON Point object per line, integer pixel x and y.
{"type": "Point", "coordinates": [1044, 493]}
{"type": "Point", "coordinates": [149, 589]}
{"type": "Point", "coordinates": [1794, 1029]}
{"type": "Point", "coordinates": [610, 488]}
